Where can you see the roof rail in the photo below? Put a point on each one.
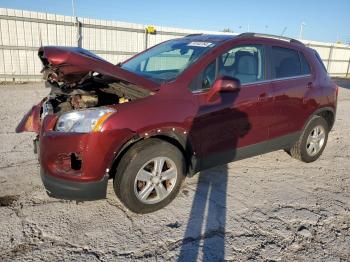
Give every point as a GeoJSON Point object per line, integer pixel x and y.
{"type": "Point", "coordinates": [292, 40]}
{"type": "Point", "coordinates": [193, 34]}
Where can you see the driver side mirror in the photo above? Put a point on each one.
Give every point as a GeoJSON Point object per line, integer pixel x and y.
{"type": "Point", "coordinates": [223, 84]}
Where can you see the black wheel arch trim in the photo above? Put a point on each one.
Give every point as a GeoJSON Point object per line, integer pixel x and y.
{"type": "Point", "coordinates": [320, 110]}
{"type": "Point", "coordinates": [176, 138]}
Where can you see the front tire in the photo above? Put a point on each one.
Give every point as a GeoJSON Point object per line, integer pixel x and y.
{"type": "Point", "coordinates": [149, 175]}
{"type": "Point", "coordinates": [312, 142]}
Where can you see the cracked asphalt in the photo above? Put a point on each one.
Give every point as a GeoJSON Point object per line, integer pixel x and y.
{"type": "Point", "coordinates": [266, 208]}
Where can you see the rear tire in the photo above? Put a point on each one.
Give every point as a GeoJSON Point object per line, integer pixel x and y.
{"type": "Point", "coordinates": [149, 175]}
{"type": "Point", "coordinates": [312, 142]}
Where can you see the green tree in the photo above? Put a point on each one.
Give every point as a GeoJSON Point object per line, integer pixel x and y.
{"type": "Point", "coordinates": [227, 30]}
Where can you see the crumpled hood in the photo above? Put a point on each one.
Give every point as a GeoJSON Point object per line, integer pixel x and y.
{"type": "Point", "coordinates": [72, 64]}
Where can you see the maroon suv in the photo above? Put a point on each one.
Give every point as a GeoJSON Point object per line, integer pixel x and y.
{"type": "Point", "coordinates": [175, 109]}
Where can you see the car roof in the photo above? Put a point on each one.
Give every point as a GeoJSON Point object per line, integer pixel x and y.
{"type": "Point", "coordinates": [209, 38]}
{"type": "Point", "coordinates": [225, 37]}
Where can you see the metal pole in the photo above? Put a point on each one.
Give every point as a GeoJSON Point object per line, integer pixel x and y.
{"type": "Point", "coordinates": [11, 56]}
{"type": "Point", "coordinates": [79, 32]}
{"type": "Point", "coordinates": [146, 38]}
{"type": "Point", "coordinates": [2, 51]}
{"type": "Point", "coordinates": [78, 25]}
{"type": "Point", "coordinates": [284, 30]}
{"type": "Point", "coordinates": [40, 37]}
{"type": "Point", "coordinates": [301, 30]}
{"type": "Point", "coordinates": [330, 58]}
{"type": "Point", "coordinates": [73, 7]}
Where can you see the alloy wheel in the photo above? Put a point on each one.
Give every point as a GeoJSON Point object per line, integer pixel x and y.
{"type": "Point", "coordinates": [315, 140]}
{"type": "Point", "coordinates": [155, 180]}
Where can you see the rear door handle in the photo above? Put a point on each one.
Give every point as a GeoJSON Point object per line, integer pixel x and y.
{"type": "Point", "coordinates": [309, 85]}
{"type": "Point", "coordinates": [262, 97]}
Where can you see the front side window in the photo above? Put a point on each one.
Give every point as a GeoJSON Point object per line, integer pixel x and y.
{"type": "Point", "coordinates": [209, 76]}
{"type": "Point", "coordinates": [166, 61]}
{"type": "Point", "coordinates": [285, 63]}
{"type": "Point", "coordinates": [244, 62]}
{"type": "Point", "coordinates": [247, 63]}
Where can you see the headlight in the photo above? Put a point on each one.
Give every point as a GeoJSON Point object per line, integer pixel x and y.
{"type": "Point", "coordinates": [84, 121]}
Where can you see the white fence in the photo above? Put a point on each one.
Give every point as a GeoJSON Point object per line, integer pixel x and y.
{"type": "Point", "coordinates": [22, 32]}
{"type": "Point", "coordinates": [336, 57]}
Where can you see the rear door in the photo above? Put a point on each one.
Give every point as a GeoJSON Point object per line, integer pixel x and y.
{"type": "Point", "coordinates": [291, 80]}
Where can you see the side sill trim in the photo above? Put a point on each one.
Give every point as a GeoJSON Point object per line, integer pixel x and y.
{"type": "Point", "coordinates": [235, 154]}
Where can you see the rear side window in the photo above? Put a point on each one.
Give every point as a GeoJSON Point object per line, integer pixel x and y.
{"type": "Point", "coordinates": [305, 67]}
{"type": "Point", "coordinates": [320, 61]}
{"type": "Point", "coordinates": [285, 62]}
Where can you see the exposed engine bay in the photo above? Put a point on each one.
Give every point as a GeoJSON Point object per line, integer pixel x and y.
{"type": "Point", "coordinates": [92, 92]}
{"type": "Point", "coordinates": [79, 79]}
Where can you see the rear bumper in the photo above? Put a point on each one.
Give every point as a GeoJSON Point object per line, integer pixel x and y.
{"type": "Point", "coordinates": [73, 190]}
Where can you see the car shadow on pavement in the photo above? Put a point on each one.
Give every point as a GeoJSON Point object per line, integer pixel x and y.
{"type": "Point", "coordinates": [221, 125]}
{"type": "Point", "coordinates": [208, 211]}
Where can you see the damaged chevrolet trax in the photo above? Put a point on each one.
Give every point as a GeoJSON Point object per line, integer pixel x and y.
{"type": "Point", "coordinates": [180, 107]}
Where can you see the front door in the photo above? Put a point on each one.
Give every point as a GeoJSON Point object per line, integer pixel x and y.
{"type": "Point", "coordinates": [234, 122]}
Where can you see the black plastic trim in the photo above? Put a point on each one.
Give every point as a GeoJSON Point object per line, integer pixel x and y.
{"type": "Point", "coordinates": [235, 154]}
{"type": "Point", "coordinates": [320, 110]}
{"type": "Point", "coordinates": [69, 190]}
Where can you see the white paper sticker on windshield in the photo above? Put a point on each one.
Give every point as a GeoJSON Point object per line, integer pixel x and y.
{"type": "Point", "coordinates": [200, 44]}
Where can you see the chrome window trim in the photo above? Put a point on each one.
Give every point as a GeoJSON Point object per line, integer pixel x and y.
{"type": "Point", "coordinates": [277, 79]}
{"type": "Point", "coordinates": [260, 82]}
{"type": "Point", "coordinates": [200, 91]}
{"type": "Point", "coordinates": [290, 77]}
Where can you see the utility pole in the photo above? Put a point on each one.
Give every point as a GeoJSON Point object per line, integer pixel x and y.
{"type": "Point", "coordinates": [73, 7]}
{"type": "Point", "coordinates": [284, 30]}
{"type": "Point", "coordinates": [77, 24]}
{"type": "Point", "coordinates": [301, 30]}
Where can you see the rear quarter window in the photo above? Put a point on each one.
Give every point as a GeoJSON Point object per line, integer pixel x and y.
{"type": "Point", "coordinates": [318, 58]}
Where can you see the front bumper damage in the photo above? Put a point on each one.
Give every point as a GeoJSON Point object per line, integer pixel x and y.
{"type": "Point", "coordinates": [76, 166]}
{"type": "Point", "coordinates": [73, 166]}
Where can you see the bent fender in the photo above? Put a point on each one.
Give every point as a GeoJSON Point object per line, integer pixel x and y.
{"type": "Point", "coordinates": [30, 121]}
